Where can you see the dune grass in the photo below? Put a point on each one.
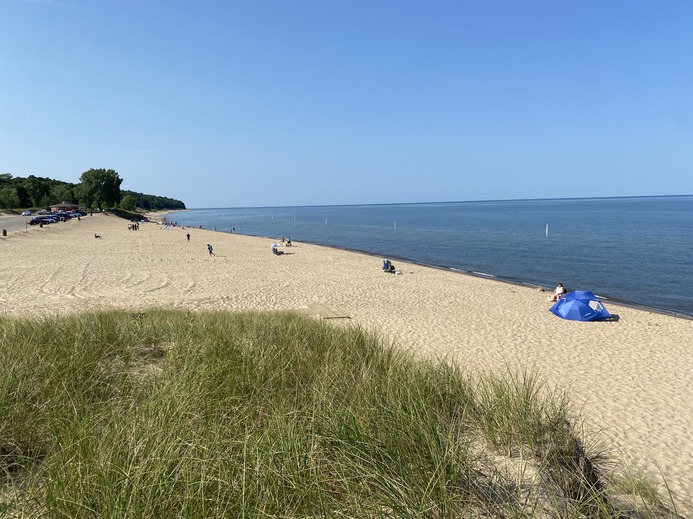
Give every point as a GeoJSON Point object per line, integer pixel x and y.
{"type": "Point", "coordinates": [178, 414]}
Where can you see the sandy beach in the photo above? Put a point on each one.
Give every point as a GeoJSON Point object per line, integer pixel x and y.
{"type": "Point", "coordinates": [631, 378]}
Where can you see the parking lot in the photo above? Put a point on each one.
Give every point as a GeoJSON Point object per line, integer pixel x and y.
{"type": "Point", "coordinates": [13, 223]}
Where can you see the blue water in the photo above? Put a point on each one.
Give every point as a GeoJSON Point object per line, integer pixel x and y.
{"type": "Point", "coordinates": [637, 250]}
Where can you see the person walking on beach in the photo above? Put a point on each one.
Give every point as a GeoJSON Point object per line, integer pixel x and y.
{"type": "Point", "coordinates": [188, 235]}
{"type": "Point", "coordinates": [209, 248]}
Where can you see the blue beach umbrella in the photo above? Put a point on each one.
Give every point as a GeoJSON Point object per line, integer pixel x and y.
{"type": "Point", "coordinates": [580, 305]}
{"type": "Point", "coordinates": [581, 294]}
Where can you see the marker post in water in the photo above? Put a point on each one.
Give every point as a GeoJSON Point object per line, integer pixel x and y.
{"type": "Point", "coordinates": [547, 230]}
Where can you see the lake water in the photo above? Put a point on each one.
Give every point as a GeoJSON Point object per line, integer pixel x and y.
{"type": "Point", "coordinates": [637, 250]}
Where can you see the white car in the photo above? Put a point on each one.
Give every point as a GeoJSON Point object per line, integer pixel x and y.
{"type": "Point", "coordinates": [26, 213]}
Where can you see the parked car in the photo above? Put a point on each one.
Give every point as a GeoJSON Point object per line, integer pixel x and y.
{"type": "Point", "coordinates": [45, 220]}
{"type": "Point", "coordinates": [26, 213]}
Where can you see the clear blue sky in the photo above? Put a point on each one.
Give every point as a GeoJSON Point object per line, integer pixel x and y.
{"type": "Point", "coordinates": [226, 103]}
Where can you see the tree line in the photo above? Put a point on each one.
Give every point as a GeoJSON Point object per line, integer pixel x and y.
{"type": "Point", "coordinates": [97, 189]}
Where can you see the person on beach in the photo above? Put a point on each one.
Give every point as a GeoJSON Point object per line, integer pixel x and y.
{"type": "Point", "coordinates": [209, 248]}
{"type": "Point", "coordinates": [558, 293]}
{"type": "Point", "coordinates": [188, 235]}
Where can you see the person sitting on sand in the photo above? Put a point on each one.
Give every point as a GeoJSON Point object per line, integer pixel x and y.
{"type": "Point", "coordinates": [97, 236]}
{"type": "Point", "coordinates": [388, 266]}
{"type": "Point", "coordinates": [559, 292]}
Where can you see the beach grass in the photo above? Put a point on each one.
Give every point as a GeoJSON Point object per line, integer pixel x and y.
{"type": "Point", "coordinates": [167, 413]}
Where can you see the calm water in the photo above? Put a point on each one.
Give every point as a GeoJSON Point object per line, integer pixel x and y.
{"type": "Point", "coordinates": [638, 250]}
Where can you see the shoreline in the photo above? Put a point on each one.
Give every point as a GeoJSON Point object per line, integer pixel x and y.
{"type": "Point", "coordinates": [629, 378]}
{"type": "Point", "coordinates": [511, 244]}
{"type": "Point", "coordinates": [482, 275]}
{"type": "Point", "coordinates": [160, 216]}
{"type": "Point", "coordinates": [493, 277]}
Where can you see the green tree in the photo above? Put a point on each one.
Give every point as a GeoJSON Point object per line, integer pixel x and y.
{"type": "Point", "coordinates": [62, 193]}
{"type": "Point", "coordinates": [98, 187]}
{"type": "Point", "coordinates": [37, 189]}
{"type": "Point", "coordinates": [9, 198]}
{"type": "Point", "coordinates": [127, 203]}
{"type": "Point", "coordinates": [23, 196]}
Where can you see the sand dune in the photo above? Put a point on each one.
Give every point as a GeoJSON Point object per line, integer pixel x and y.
{"type": "Point", "coordinates": [631, 378]}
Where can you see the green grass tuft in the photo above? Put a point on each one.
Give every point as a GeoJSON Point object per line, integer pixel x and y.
{"type": "Point", "coordinates": [168, 413]}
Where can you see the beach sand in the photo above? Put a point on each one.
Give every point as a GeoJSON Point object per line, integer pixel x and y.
{"type": "Point", "coordinates": [631, 379]}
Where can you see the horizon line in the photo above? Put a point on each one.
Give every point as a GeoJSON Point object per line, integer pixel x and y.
{"type": "Point", "coordinates": [450, 201]}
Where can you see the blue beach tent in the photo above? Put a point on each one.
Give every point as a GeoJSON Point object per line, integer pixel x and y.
{"type": "Point", "coordinates": [580, 305]}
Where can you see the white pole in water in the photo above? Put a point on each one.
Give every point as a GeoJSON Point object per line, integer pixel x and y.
{"type": "Point", "coordinates": [547, 230]}
{"type": "Point", "coordinates": [395, 224]}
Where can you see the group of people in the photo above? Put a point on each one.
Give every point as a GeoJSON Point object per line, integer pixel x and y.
{"type": "Point", "coordinates": [275, 246]}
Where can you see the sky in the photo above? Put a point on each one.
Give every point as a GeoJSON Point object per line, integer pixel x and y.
{"type": "Point", "coordinates": [226, 103]}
